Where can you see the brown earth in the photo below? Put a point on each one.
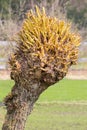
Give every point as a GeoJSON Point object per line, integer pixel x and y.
{"type": "Point", "coordinates": [77, 74]}
{"type": "Point", "coordinates": [4, 74]}
{"type": "Point", "coordinates": [72, 74]}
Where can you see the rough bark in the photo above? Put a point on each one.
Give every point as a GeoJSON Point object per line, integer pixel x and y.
{"type": "Point", "coordinates": [17, 118]}
{"type": "Point", "coordinates": [20, 104]}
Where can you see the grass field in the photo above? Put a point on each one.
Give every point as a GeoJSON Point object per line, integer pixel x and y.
{"type": "Point", "coordinates": [62, 107]}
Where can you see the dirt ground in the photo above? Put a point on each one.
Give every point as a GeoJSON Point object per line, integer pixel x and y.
{"type": "Point", "coordinates": [77, 74]}
{"type": "Point", "coordinates": [72, 74]}
{"type": "Point", "coordinates": [4, 74]}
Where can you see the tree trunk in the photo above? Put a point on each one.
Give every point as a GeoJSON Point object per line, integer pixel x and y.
{"type": "Point", "coordinates": [19, 106]}
{"type": "Point", "coordinates": [16, 120]}
{"type": "Point", "coordinates": [19, 103]}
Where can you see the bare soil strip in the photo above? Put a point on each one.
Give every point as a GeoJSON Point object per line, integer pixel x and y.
{"type": "Point", "coordinates": [77, 74]}
{"type": "Point", "coordinates": [72, 74]}
{"type": "Point", "coordinates": [64, 103]}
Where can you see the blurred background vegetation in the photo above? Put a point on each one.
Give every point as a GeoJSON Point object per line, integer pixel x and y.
{"type": "Point", "coordinates": [12, 14]}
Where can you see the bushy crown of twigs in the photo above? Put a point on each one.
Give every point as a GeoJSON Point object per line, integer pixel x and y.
{"type": "Point", "coordinates": [50, 41]}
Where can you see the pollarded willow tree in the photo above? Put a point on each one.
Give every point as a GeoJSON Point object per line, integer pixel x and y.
{"type": "Point", "coordinates": [45, 49]}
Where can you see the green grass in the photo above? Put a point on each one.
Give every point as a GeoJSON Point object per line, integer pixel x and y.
{"type": "Point", "coordinates": [58, 117]}
{"type": "Point", "coordinates": [55, 109]}
{"type": "Point", "coordinates": [5, 88]}
{"type": "Point", "coordinates": [65, 90]}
